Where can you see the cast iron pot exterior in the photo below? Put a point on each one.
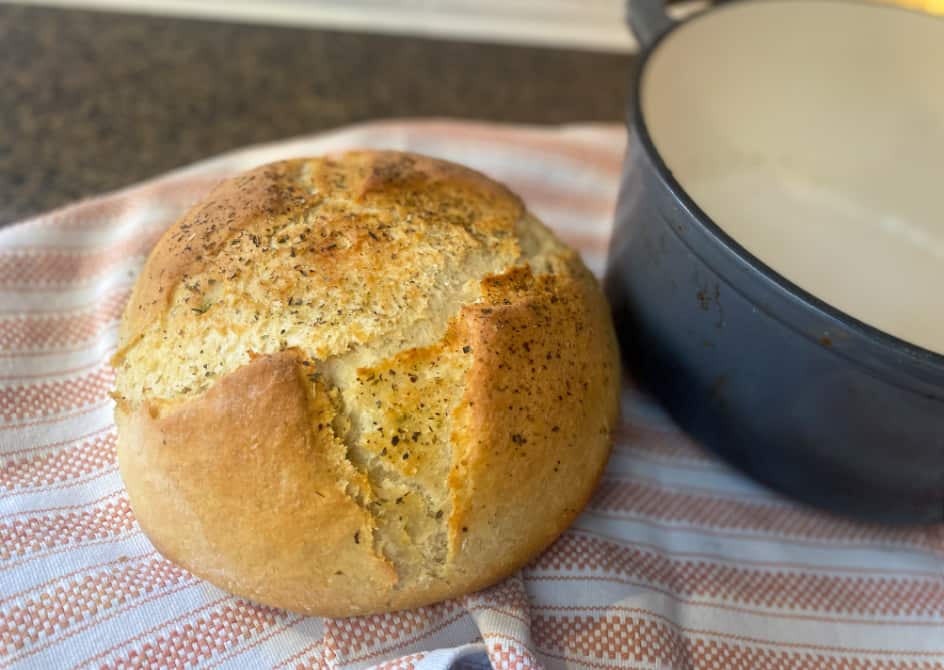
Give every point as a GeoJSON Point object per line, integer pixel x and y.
{"type": "Point", "coordinates": [799, 395]}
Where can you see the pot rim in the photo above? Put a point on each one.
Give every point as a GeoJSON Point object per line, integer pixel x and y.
{"type": "Point", "coordinates": [909, 352]}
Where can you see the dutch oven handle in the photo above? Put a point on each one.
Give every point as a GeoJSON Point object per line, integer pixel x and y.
{"type": "Point", "coordinates": [647, 19]}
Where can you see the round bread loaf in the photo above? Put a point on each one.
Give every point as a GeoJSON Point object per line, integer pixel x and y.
{"type": "Point", "coordinates": [361, 383]}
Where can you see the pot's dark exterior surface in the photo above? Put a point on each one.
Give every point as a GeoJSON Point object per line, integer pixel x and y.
{"type": "Point", "coordinates": [802, 397]}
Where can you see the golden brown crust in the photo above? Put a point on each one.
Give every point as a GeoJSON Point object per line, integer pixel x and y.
{"type": "Point", "coordinates": [233, 205]}
{"type": "Point", "coordinates": [535, 423]}
{"type": "Point", "coordinates": [268, 195]}
{"type": "Point", "coordinates": [238, 487]}
{"type": "Point", "coordinates": [426, 403]}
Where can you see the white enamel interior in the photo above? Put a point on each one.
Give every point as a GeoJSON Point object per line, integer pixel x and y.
{"type": "Point", "coordinates": [812, 132]}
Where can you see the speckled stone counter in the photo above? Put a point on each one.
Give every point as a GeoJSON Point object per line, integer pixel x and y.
{"type": "Point", "coordinates": [90, 102]}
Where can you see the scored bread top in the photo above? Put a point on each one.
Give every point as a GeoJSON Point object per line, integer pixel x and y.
{"type": "Point", "coordinates": [376, 250]}
{"type": "Point", "coordinates": [436, 350]}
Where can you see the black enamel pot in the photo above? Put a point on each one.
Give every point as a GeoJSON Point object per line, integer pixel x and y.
{"type": "Point", "coordinates": [785, 316]}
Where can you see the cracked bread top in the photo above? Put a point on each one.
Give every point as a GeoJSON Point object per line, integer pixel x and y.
{"type": "Point", "coordinates": [360, 383]}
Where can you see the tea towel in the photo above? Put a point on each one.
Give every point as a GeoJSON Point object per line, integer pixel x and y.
{"type": "Point", "coordinates": [677, 562]}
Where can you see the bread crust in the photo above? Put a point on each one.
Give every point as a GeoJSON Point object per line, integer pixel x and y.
{"type": "Point", "coordinates": [401, 468]}
{"type": "Point", "coordinates": [237, 487]}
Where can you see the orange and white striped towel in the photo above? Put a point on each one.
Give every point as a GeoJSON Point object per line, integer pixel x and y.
{"type": "Point", "coordinates": [678, 562]}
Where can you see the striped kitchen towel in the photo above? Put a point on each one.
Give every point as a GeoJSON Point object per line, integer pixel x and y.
{"type": "Point", "coordinates": [678, 562]}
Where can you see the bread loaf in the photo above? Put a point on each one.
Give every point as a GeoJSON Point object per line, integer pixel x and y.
{"type": "Point", "coordinates": [361, 383]}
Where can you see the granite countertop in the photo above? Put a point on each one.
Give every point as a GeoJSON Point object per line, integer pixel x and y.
{"type": "Point", "coordinates": [91, 101]}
